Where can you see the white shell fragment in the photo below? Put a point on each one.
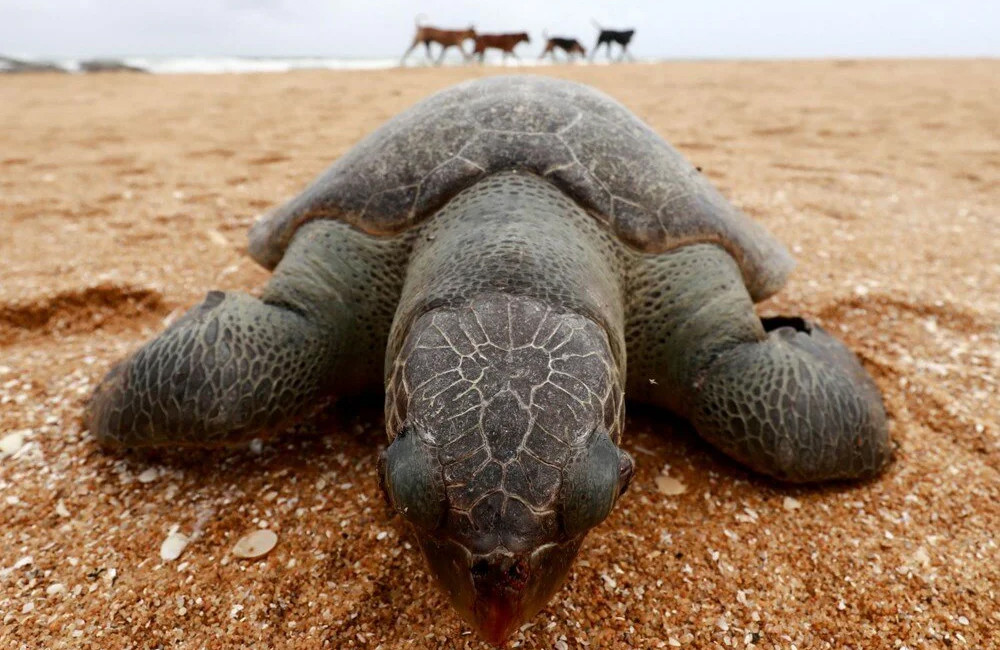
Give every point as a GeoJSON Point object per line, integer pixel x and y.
{"type": "Point", "coordinates": [173, 546]}
{"type": "Point", "coordinates": [23, 562]}
{"type": "Point", "coordinates": [669, 485]}
{"type": "Point", "coordinates": [921, 557]}
{"type": "Point", "coordinates": [791, 503]}
{"type": "Point", "coordinates": [11, 443]}
{"type": "Point", "coordinates": [149, 475]}
{"type": "Point", "coordinates": [217, 238]}
{"type": "Point", "coordinates": [255, 544]}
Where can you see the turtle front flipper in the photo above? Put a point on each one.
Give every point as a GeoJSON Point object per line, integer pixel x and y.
{"type": "Point", "coordinates": [230, 369]}
{"type": "Point", "coordinates": [797, 406]}
{"type": "Point", "coordinates": [237, 367]}
{"type": "Point", "coordinates": [780, 395]}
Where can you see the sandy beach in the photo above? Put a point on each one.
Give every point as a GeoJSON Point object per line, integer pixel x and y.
{"type": "Point", "coordinates": [124, 198]}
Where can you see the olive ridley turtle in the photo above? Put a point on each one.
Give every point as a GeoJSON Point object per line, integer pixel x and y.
{"type": "Point", "coordinates": [491, 258]}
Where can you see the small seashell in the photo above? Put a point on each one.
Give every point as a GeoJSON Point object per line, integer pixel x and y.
{"type": "Point", "coordinates": [255, 544]}
{"type": "Point", "coordinates": [217, 238]}
{"type": "Point", "coordinates": [11, 443]}
{"type": "Point", "coordinates": [921, 557]}
{"type": "Point", "coordinates": [669, 485]}
{"type": "Point", "coordinates": [173, 546]}
{"type": "Point", "coordinates": [23, 562]}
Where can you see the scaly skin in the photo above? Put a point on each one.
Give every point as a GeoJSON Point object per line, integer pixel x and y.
{"type": "Point", "coordinates": [797, 406]}
{"type": "Point", "coordinates": [782, 397]}
{"type": "Point", "coordinates": [236, 367]}
{"type": "Point", "coordinates": [232, 368]}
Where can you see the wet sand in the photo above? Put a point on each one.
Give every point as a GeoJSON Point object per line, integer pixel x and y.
{"type": "Point", "coordinates": [124, 198]}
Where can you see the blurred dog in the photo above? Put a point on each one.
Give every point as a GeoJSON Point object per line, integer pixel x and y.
{"type": "Point", "coordinates": [569, 46]}
{"type": "Point", "coordinates": [609, 36]}
{"type": "Point", "coordinates": [504, 42]}
{"type": "Point", "coordinates": [444, 37]}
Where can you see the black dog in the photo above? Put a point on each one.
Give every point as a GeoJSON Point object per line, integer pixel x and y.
{"type": "Point", "coordinates": [569, 46]}
{"type": "Point", "coordinates": [609, 36]}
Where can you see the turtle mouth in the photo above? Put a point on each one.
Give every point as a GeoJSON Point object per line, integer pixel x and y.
{"type": "Point", "coordinates": [496, 592]}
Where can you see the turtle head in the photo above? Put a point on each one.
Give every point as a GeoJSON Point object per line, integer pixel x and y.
{"type": "Point", "coordinates": [500, 561]}
{"type": "Point", "coordinates": [503, 455]}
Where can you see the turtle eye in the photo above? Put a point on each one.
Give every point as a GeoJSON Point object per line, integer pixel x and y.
{"type": "Point", "coordinates": [410, 476]}
{"type": "Point", "coordinates": [592, 483]}
{"type": "Point", "coordinates": [626, 468]}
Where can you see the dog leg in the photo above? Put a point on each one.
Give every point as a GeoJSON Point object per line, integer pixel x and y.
{"type": "Point", "coordinates": [407, 53]}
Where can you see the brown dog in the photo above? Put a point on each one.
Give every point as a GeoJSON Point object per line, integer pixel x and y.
{"type": "Point", "coordinates": [505, 42]}
{"type": "Point", "coordinates": [444, 37]}
{"type": "Point", "coordinates": [569, 46]}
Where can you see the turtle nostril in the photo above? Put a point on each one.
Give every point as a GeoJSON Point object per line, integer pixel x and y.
{"type": "Point", "coordinates": [517, 574]}
{"type": "Point", "coordinates": [479, 568]}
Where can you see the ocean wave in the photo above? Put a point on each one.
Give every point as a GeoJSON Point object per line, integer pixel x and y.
{"type": "Point", "coordinates": [231, 64]}
{"type": "Point", "coordinates": [236, 64]}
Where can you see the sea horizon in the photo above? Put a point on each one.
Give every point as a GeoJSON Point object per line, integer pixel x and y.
{"type": "Point", "coordinates": [222, 64]}
{"type": "Point", "coordinates": [229, 64]}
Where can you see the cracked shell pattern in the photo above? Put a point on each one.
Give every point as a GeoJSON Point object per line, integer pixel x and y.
{"type": "Point", "coordinates": [507, 390]}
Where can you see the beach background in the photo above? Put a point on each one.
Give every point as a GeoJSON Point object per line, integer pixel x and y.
{"type": "Point", "coordinates": [125, 197]}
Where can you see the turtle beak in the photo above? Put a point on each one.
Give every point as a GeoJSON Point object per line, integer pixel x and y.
{"type": "Point", "coordinates": [497, 592]}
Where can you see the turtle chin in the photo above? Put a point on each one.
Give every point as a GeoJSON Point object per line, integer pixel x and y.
{"type": "Point", "coordinates": [498, 591]}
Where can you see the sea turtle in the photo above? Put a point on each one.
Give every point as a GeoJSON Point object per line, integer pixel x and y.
{"type": "Point", "coordinates": [491, 257]}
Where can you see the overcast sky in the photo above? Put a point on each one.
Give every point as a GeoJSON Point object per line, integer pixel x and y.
{"type": "Point", "coordinates": [383, 28]}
